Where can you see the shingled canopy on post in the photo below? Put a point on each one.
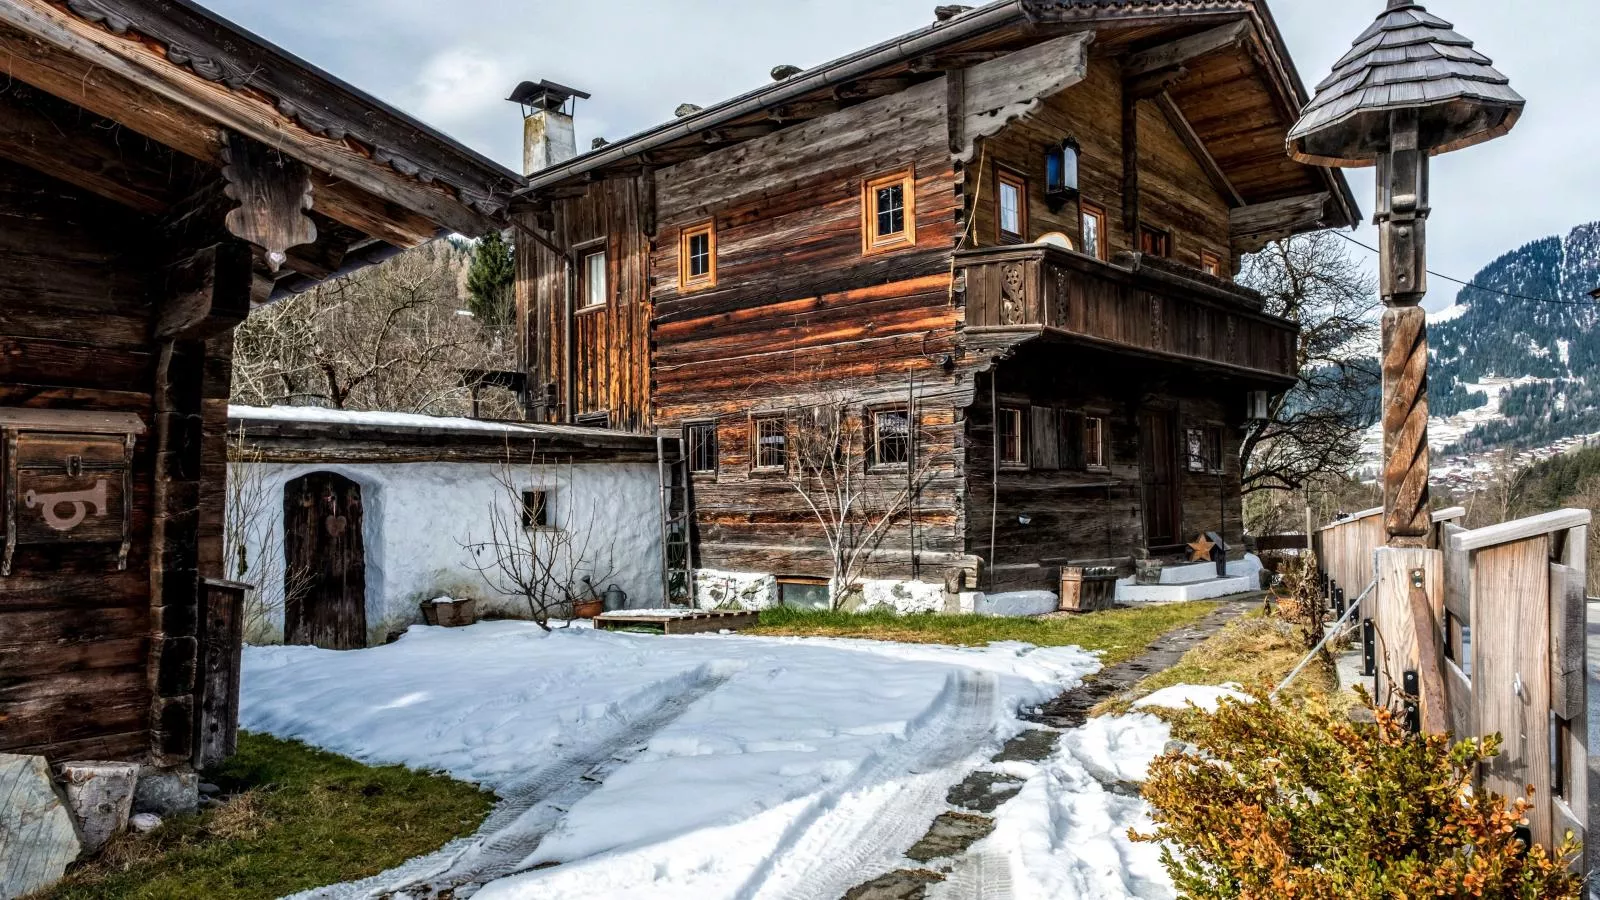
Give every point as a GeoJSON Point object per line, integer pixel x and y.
{"type": "Point", "coordinates": [1408, 59]}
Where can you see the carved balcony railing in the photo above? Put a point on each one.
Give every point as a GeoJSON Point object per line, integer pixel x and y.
{"type": "Point", "coordinates": [1138, 304]}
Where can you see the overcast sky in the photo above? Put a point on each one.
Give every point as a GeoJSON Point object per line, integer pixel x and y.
{"type": "Point", "coordinates": [453, 63]}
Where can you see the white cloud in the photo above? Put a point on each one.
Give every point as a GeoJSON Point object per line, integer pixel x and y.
{"type": "Point", "coordinates": [459, 86]}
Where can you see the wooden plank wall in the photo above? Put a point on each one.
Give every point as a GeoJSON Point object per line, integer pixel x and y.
{"type": "Point", "coordinates": [1174, 192]}
{"type": "Point", "coordinates": [94, 662]}
{"type": "Point", "coordinates": [74, 326]}
{"type": "Point", "coordinates": [1088, 516]}
{"type": "Point", "coordinates": [800, 316]}
{"type": "Point", "coordinates": [611, 343]}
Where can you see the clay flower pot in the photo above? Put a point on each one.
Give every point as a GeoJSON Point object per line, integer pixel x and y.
{"type": "Point", "coordinates": [588, 609]}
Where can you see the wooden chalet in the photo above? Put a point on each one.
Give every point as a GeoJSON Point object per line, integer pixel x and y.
{"type": "Point", "coordinates": [161, 172]}
{"type": "Point", "coordinates": [1018, 226]}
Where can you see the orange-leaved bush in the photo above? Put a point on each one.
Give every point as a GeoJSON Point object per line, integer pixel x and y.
{"type": "Point", "coordinates": [1286, 801]}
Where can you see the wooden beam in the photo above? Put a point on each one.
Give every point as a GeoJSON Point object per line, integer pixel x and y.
{"type": "Point", "coordinates": [1187, 49]}
{"type": "Point", "coordinates": [1147, 87]}
{"type": "Point", "coordinates": [803, 110]}
{"type": "Point", "coordinates": [868, 88]}
{"type": "Point", "coordinates": [206, 294]}
{"type": "Point", "coordinates": [945, 62]}
{"type": "Point", "coordinates": [733, 134]}
{"type": "Point", "coordinates": [1197, 147]}
{"type": "Point", "coordinates": [1130, 168]}
{"type": "Point", "coordinates": [1253, 227]}
{"type": "Point", "coordinates": [132, 82]}
{"type": "Point", "coordinates": [57, 139]}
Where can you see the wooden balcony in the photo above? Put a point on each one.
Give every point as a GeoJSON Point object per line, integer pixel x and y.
{"type": "Point", "coordinates": [1148, 307]}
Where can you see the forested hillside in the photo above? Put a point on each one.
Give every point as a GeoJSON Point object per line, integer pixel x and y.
{"type": "Point", "coordinates": [1545, 335]}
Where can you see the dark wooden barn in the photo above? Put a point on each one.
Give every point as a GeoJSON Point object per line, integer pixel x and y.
{"type": "Point", "coordinates": [1012, 233]}
{"type": "Point", "coordinates": [161, 173]}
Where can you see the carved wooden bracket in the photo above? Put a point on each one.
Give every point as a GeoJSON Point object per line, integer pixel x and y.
{"type": "Point", "coordinates": [273, 192]}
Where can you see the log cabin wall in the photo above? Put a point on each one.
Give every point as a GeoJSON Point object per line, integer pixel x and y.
{"type": "Point", "coordinates": [74, 324]}
{"type": "Point", "coordinates": [800, 316]}
{"type": "Point", "coordinates": [611, 342]}
{"type": "Point", "coordinates": [1175, 195]}
{"type": "Point", "coordinates": [1056, 509]}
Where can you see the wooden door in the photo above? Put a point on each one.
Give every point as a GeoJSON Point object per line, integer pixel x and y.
{"type": "Point", "coordinates": [1159, 469]}
{"type": "Point", "coordinates": [325, 578]}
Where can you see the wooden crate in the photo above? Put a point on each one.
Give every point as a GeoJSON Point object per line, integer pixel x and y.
{"type": "Point", "coordinates": [679, 623]}
{"type": "Point", "coordinates": [1088, 589]}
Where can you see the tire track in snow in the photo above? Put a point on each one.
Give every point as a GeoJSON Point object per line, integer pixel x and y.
{"type": "Point", "coordinates": [861, 828]}
{"type": "Point", "coordinates": [978, 875]}
{"type": "Point", "coordinates": [533, 806]}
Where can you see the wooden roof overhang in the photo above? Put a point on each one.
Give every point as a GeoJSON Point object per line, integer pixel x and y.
{"type": "Point", "coordinates": [384, 438]}
{"type": "Point", "coordinates": [146, 102]}
{"type": "Point", "coordinates": [1218, 69]}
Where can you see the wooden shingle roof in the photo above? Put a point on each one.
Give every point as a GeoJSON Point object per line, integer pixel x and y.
{"type": "Point", "coordinates": [1408, 58]}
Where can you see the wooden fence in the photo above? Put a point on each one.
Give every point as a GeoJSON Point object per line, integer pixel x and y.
{"type": "Point", "coordinates": [1345, 550]}
{"type": "Point", "coordinates": [1504, 650]}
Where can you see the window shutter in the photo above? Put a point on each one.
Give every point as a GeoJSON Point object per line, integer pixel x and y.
{"type": "Point", "coordinates": [1072, 440]}
{"type": "Point", "coordinates": [1046, 438]}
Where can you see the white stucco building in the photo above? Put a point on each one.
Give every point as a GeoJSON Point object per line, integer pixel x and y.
{"type": "Point", "coordinates": [424, 491]}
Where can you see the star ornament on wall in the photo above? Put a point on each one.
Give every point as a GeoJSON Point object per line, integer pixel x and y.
{"type": "Point", "coordinates": [1201, 549]}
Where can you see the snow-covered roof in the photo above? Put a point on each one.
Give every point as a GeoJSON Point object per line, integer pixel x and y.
{"type": "Point", "coordinates": [356, 418]}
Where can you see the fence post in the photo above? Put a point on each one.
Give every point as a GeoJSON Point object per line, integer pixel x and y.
{"type": "Point", "coordinates": [1408, 604]}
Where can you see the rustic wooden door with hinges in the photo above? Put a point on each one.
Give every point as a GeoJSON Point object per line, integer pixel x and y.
{"type": "Point", "coordinates": [325, 573]}
{"type": "Point", "coordinates": [1159, 471]}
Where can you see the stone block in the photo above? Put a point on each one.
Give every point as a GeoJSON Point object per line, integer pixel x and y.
{"type": "Point", "coordinates": [100, 797]}
{"type": "Point", "coordinates": [38, 839]}
{"type": "Point", "coordinates": [167, 792]}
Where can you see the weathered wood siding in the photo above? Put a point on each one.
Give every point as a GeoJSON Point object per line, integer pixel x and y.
{"type": "Point", "coordinates": [1174, 193]}
{"type": "Point", "coordinates": [611, 344]}
{"type": "Point", "coordinates": [800, 316]}
{"type": "Point", "coordinates": [97, 663]}
{"type": "Point", "coordinates": [1078, 515]}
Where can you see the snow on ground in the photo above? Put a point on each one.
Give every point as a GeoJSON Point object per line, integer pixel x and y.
{"type": "Point", "coordinates": [722, 766]}
{"type": "Point", "coordinates": [1065, 835]}
{"type": "Point", "coordinates": [1181, 696]}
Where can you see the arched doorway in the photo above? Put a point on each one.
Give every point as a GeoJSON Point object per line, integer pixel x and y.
{"type": "Point", "coordinates": [325, 576]}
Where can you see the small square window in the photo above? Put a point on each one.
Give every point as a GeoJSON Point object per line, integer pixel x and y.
{"type": "Point", "coordinates": [702, 440]}
{"type": "Point", "coordinates": [1204, 446]}
{"type": "Point", "coordinates": [1094, 442]}
{"type": "Point", "coordinates": [536, 509]}
{"type": "Point", "coordinates": [1211, 264]}
{"type": "Point", "coordinates": [1012, 207]}
{"type": "Point", "coordinates": [596, 291]}
{"type": "Point", "coordinates": [697, 267]}
{"type": "Point", "coordinates": [889, 213]}
{"type": "Point", "coordinates": [1154, 242]}
{"type": "Point", "coordinates": [1092, 223]}
{"type": "Point", "coordinates": [891, 437]}
{"type": "Point", "coordinates": [772, 443]}
{"type": "Point", "coordinates": [1013, 449]}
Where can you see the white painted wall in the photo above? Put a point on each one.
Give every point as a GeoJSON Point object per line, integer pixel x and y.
{"type": "Point", "coordinates": [418, 516]}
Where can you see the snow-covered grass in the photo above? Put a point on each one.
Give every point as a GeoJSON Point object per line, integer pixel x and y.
{"type": "Point", "coordinates": [720, 766]}
{"type": "Point", "coordinates": [1116, 634]}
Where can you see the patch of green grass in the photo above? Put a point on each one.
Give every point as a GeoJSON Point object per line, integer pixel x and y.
{"type": "Point", "coordinates": [1120, 633]}
{"type": "Point", "coordinates": [301, 819]}
{"type": "Point", "coordinates": [1256, 651]}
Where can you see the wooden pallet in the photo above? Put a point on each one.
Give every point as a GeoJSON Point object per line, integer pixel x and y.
{"type": "Point", "coordinates": [682, 623]}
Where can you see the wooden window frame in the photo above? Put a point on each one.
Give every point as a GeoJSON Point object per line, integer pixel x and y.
{"type": "Point", "coordinates": [1019, 414]}
{"type": "Point", "coordinates": [1002, 178]}
{"type": "Point", "coordinates": [536, 504]}
{"type": "Point", "coordinates": [1101, 249]}
{"type": "Point", "coordinates": [874, 456]}
{"type": "Point", "coordinates": [809, 581]}
{"type": "Point", "coordinates": [1160, 234]}
{"type": "Point", "coordinates": [756, 421]}
{"type": "Point", "coordinates": [687, 281]}
{"type": "Point", "coordinates": [1210, 261]}
{"type": "Point", "coordinates": [586, 252]}
{"type": "Point", "coordinates": [1095, 422]}
{"type": "Point", "coordinates": [1212, 440]}
{"type": "Point", "coordinates": [689, 446]}
{"type": "Point", "coordinates": [871, 241]}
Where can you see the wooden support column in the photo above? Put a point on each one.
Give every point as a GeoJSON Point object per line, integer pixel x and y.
{"type": "Point", "coordinates": [1410, 595]}
{"type": "Point", "coordinates": [1130, 166]}
{"type": "Point", "coordinates": [1406, 496]}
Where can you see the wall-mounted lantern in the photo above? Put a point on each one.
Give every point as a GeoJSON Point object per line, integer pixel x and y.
{"type": "Point", "coordinates": [1061, 173]}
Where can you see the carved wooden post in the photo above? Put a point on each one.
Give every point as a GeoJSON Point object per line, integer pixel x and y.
{"type": "Point", "coordinates": [1409, 89]}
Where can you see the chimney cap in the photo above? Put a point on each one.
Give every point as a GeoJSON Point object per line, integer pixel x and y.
{"type": "Point", "coordinates": [545, 94]}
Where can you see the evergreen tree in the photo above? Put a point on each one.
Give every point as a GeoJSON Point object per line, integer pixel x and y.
{"type": "Point", "coordinates": [490, 282]}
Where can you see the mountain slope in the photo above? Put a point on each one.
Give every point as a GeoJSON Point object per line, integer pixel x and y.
{"type": "Point", "coordinates": [1543, 357]}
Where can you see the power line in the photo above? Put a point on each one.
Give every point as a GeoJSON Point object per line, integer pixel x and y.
{"type": "Point", "coordinates": [1487, 290]}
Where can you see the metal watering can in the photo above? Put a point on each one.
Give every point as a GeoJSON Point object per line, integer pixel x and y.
{"type": "Point", "coordinates": [615, 598]}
